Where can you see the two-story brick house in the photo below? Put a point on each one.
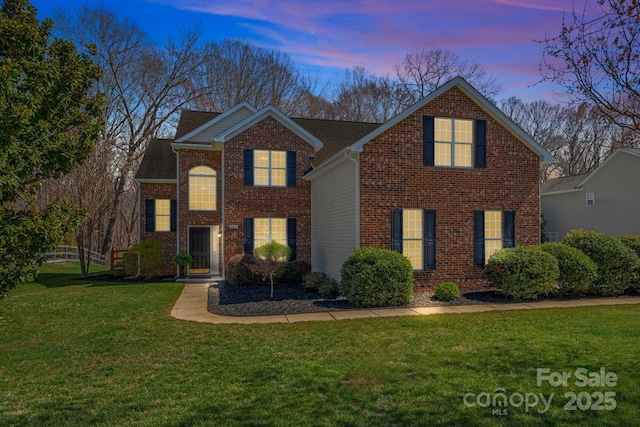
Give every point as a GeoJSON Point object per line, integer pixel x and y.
{"type": "Point", "coordinates": [446, 182]}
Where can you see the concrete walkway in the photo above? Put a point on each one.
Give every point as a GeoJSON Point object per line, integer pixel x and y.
{"type": "Point", "coordinates": [192, 305]}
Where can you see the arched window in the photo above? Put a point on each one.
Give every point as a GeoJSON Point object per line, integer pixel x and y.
{"type": "Point", "coordinates": [202, 189]}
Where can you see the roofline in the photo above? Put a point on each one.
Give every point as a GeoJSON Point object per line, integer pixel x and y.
{"type": "Point", "coordinates": [484, 103]}
{"type": "Point", "coordinates": [216, 119]}
{"type": "Point", "coordinates": [552, 193]}
{"type": "Point", "coordinates": [182, 146]}
{"type": "Point", "coordinates": [326, 165]}
{"type": "Point", "coordinates": [269, 111]}
{"type": "Point", "coordinates": [156, 180]}
{"type": "Point", "coordinates": [603, 164]}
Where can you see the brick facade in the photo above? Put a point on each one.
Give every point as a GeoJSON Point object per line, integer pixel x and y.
{"type": "Point", "coordinates": [167, 238]}
{"type": "Point", "coordinates": [392, 176]}
{"type": "Point", "coordinates": [266, 202]}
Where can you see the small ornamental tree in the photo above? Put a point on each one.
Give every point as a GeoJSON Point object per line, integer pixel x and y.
{"type": "Point", "coordinates": [271, 259]}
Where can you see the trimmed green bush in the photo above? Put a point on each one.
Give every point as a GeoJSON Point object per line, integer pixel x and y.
{"type": "Point", "coordinates": [294, 272]}
{"type": "Point", "coordinates": [330, 287]}
{"type": "Point", "coordinates": [150, 256]}
{"type": "Point", "coordinates": [633, 243]}
{"type": "Point", "coordinates": [616, 262]}
{"type": "Point", "coordinates": [240, 271]}
{"type": "Point", "coordinates": [523, 272]}
{"type": "Point", "coordinates": [377, 277]}
{"type": "Point", "coordinates": [577, 271]}
{"type": "Point", "coordinates": [447, 291]}
{"type": "Point", "coordinates": [314, 280]}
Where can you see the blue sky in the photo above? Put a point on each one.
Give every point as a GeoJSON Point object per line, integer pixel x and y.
{"type": "Point", "coordinates": [330, 35]}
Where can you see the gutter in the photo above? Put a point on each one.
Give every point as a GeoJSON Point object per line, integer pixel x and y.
{"type": "Point", "coordinates": [356, 160]}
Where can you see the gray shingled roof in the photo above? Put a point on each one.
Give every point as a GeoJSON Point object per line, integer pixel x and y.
{"type": "Point", "coordinates": [562, 184]}
{"type": "Point", "coordinates": [190, 120]}
{"type": "Point", "coordinates": [159, 161]}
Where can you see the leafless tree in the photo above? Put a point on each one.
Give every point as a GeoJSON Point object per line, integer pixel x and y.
{"type": "Point", "coordinates": [145, 86]}
{"type": "Point", "coordinates": [424, 71]}
{"type": "Point", "coordinates": [364, 97]}
{"type": "Point", "coordinates": [597, 60]}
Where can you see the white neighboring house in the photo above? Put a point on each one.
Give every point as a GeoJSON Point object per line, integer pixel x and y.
{"type": "Point", "coordinates": [606, 200]}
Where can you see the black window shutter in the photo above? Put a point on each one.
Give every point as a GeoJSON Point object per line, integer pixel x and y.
{"type": "Point", "coordinates": [248, 167]}
{"type": "Point", "coordinates": [291, 237]}
{"type": "Point", "coordinates": [396, 230]}
{"type": "Point", "coordinates": [510, 229]}
{"type": "Point", "coordinates": [248, 236]}
{"type": "Point", "coordinates": [429, 239]}
{"type": "Point", "coordinates": [150, 215]}
{"type": "Point", "coordinates": [478, 238]}
{"type": "Point", "coordinates": [291, 168]}
{"type": "Point", "coordinates": [481, 143]}
{"type": "Point", "coordinates": [428, 140]}
{"type": "Point", "coordinates": [173, 219]}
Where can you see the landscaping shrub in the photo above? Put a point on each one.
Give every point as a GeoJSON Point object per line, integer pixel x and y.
{"type": "Point", "coordinates": [633, 243]}
{"type": "Point", "coordinates": [377, 277]}
{"type": "Point", "coordinates": [523, 272]}
{"type": "Point", "coordinates": [293, 272]}
{"type": "Point", "coordinates": [577, 271]}
{"type": "Point", "coordinates": [447, 291]}
{"type": "Point", "coordinates": [240, 271]}
{"type": "Point", "coordinates": [150, 256]}
{"type": "Point", "coordinates": [314, 280]}
{"type": "Point", "coordinates": [330, 287]}
{"type": "Point", "coordinates": [616, 262]}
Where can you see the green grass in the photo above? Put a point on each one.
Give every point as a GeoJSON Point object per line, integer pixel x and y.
{"type": "Point", "coordinates": [76, 352]}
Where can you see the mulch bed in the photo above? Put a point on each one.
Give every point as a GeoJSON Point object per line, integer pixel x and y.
{"type": "Point", "coordinates": [256, 300]}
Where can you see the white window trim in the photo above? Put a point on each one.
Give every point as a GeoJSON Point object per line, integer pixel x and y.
{"type": "Point", "coordinates": [270, 238]}
{"type": "Point", "coordinates": [492, 239]}
{"type": "Point", "coordinates": [415, 239]}
{"type": "Point", "coordinates": [167, 215]}
{"type": "Point", "coordinates": [591, 197]}
{"type": "Point", "coordinates": [269, 169]}
{"type": "Point", "coordinates": [453, 142]}
{"type": "Point", "coordinates": [213, 176]}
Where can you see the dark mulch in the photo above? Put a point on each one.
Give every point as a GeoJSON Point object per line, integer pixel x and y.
{"type": "Point", "coordinates": [256, 300]}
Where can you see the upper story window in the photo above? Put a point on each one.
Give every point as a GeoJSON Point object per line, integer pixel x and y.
{"type": "Point", "coordinates": [270, 168]}
{"type": "Point", "coordinates": [591, 199]}
{"type": "Point", "coordinates": [453, 142]}
{"type": "Point", "coordinates": [460, 143]}
{"type": "Point", "coordinates": [202, 189]}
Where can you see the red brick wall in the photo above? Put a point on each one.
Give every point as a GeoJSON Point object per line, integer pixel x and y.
{"type": "Point", "coordinates": [392, 176]}
{"type": "Point", "coordinates": [263, 202]}
{"type": "Point", "coordinates": [187, 160]}
{"type": "Point", "coordinates": [168, 239]}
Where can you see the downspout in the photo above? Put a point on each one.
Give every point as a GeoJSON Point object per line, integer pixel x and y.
{"type": "Point", "coordinates": [356, 160]}
{"type": "Point", "coordinates": [177, 153]}
{"type": "Point", "coordinates": [222, 226]}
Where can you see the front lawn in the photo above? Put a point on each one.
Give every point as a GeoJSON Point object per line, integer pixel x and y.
{"type": "Point", "coordinates": [82, 353]}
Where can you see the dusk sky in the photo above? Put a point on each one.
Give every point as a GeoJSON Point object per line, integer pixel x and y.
{"type": "Point", "coordinates": [330, 35]}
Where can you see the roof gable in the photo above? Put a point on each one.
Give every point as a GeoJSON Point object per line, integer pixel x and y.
{"type": "Point", "coordinates": [276, 114]}
{"type": "Point", "coordinates": [474, 95]}
{"type": "Point", "coordinates": [204, 133]}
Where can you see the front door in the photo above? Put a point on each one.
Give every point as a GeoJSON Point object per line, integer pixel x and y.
{"type": "Point", "coordinates": [200, 250]}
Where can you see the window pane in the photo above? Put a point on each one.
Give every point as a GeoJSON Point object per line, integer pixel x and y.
{"type": "Point", "coordinates": [464, 130]}
{"type": "Point", "coordinates": [412, 224]}
{"type": "Point", "coordinates": [261, 177]}
{"type": "Point", "coordinates": [202, 170]}
{"type": "Point", "coordinates": [443, 130]}
{"type": "Point", "coordinates": [261, 158]}
{"type": "Point", "coordinates": [463, 155]}
{"type": "Point", "coordinates": [279, 229]}
{"type": "Point", "coordinates": [412, 249]}
{"type": "Point", "coordinates": [261, 231]}
{"type": "Point", "coordinates": [442, 154]}
{"type": "Point", "coordinates": [278, 177]}
{"type": "Point", "coordinates": [163, 207]}
{"type": "Point", "coordinates": [490, 247]}
{"type": "Point", "coordinates": [493, 225]}
{"type": "Point", "coordinates": [278, 159]}
{"type": "Point", "coordinates": [202, 191]}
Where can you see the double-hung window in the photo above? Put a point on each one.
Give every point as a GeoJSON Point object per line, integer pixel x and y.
{"type": "Point", "coordinates": [270, 168]}
{"type": "Point", "coordinates": [493, 230]}
{"type": "Point", "coordinates": [450, 142]}
{"type": "Point", "coordinates": [413, 234]}
{"type": "Point", "coordinates": [258, 231]}
{"type": "Point", "coordinates": [160, 215]}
